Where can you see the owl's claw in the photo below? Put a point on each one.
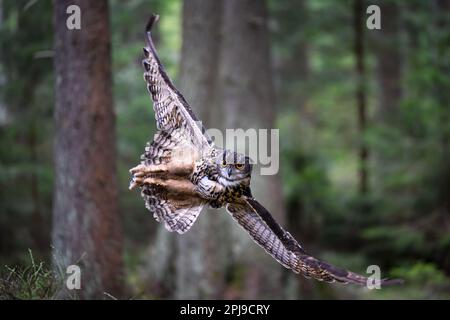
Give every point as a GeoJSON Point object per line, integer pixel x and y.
{"type": "Point", "coordinates": [138, 170]}
{"type": "Point", "coordinates": [140, 175]}
{"type": "Point", "coordinates": [133, 185]}
{"type": "Point", "coordinates": [142, 170]}
{"type": "Point", "coordinates": [135, 182]}
{"type": "Point", "coordinates": [138, 182]}
{"type": "Point", "coordinates": [153, 181]}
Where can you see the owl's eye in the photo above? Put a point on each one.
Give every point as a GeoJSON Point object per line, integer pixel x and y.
{"type": "Point", "coordinates": [223, 163]}
{"type": "Point", "coordinates": [239, 166]}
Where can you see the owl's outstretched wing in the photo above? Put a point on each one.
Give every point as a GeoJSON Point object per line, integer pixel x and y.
{"type": "Point", "coordinates": [266, 232]}
{"type": "Point", "coordinates": [171, 109]}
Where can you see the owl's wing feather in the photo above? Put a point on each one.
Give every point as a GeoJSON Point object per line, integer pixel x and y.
{"type": "Point", "coordinates": [171, 109]}
{"type": "Point", "coordinates": [267, 233]}
{"type": "Point", "coordinates": [177, 212]}
{"type": "Point", "coordinates": [164, 144]}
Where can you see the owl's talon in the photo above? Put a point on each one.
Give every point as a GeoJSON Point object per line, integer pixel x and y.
{"type": "Point", "coordinates": [152, 181]}
{"type": "Point", "coordinates": [137, 180]}
{"type": "Point", "coordinates": [142, 170]}
{"type": "Point", "coordinates": [133, 185]}
{"type": "Point", "coordinates": [139, 174]}
{"type": "Point", "coordinates": [139, 168]}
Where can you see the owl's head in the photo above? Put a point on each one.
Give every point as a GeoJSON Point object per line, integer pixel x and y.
{"type": "Point", "coordinates": [233, 167]}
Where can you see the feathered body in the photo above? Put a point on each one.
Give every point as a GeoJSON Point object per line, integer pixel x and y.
{"type": "Point", "coordinates": [182, 171]}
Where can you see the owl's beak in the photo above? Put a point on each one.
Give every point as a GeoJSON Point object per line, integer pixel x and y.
{"type": "Point", "coordinates": [229, 171]}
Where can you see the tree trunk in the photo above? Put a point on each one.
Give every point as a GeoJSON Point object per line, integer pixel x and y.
{"type": "Point", "coordinates": [247, 98]}
{"type": "Point", "coordinates": [361, 99]}
{"type": "Point", "coordinates": [86, 221]}
{"type": "Point", "coordinates": [441, 14]}
{"type": "Point", "coordinates": [200, 267]}
{"type": "Point", "coordinates": [389, 62]}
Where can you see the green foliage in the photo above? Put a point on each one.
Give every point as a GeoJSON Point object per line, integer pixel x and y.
{"type": "Point", "coordinates": [420, 273]}
{"type": "Point", "coordinates": [26, 98]}
{"type": "Point", "coordinates": [401, 240]}
{"type": "Point", "coordinates": [32, 281]}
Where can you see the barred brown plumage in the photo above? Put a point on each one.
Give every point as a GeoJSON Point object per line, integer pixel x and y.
{"type": "Point", "coordinates": [182, 171]}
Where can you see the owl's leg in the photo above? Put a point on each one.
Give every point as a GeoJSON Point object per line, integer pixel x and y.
{"type": "Point", "coordinates": [142, 170]}
{"type": "Point", "coordinates": [184, 187]}
{"type": "Point", "coordinates": [174, 169]}
{"type": "Point", "coordinates": [177, 168]}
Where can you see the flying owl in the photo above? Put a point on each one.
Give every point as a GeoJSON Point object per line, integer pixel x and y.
{"type": "Point", "coordinates": [182, 171]}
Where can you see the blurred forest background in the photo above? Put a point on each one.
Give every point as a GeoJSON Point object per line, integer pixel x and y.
{"type": "Point", "coordinates": [364, 119]}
